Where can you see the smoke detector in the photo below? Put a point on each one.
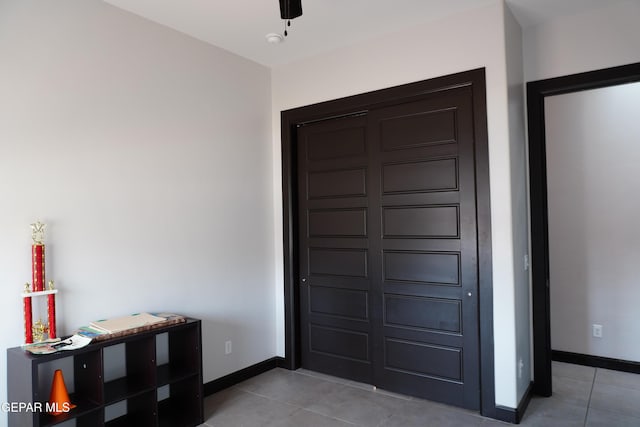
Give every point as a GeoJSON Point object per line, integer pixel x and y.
{"type": "Point", "coordinates": [274, 38]}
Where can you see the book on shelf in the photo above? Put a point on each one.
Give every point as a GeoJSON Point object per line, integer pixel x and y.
{"type": "Point", "coordinates": [42, 347]}
{"type": "Point", "coordinates": [89, 332]}
{"type": "Point", "coordinates": [118, 324]}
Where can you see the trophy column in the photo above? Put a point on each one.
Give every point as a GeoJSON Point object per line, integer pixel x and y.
{"type": "Point", "coordinates": [38, 331]}
{"type": "Point", "coordinates": [28, 316]}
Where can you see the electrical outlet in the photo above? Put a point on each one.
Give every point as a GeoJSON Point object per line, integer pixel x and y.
{"type": "Point", "coordinates": [227, 347]}
{"type": "Point", "coordinates": [597, 330]}
{"type": "Point", "coordinates": [526, 262]}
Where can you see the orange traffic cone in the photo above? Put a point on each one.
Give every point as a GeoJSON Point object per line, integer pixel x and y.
{"type": "Point", "coordinates": [59, 402]}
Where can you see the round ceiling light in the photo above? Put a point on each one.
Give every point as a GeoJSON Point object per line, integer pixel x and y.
{"type": "Point", "coordinates": [274, 38]}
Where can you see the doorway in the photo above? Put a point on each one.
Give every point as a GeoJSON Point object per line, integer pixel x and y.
{"type": "Point", "coordinates": [536, 94]}
{"type": "Point", "coordinates": [361, 227]}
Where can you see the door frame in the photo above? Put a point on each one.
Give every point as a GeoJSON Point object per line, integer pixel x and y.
{"type": "Point", "coordinates": [359, 104]}
{"type": "Point", "coordinates": [537, 91]}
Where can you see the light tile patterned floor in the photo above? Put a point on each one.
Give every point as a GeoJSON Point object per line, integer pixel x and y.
{"type": "Point", "coordinates": [583, 396]}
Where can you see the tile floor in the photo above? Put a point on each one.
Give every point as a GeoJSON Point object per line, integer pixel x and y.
{"type": "Point", "coordinates": [583, 396]}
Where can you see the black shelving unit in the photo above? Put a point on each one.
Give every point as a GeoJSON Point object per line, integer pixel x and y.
{"type": "Point", "coordinates": [178, 404]}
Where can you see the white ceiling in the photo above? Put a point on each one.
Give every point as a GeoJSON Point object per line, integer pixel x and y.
{"type": "Point", "coordinates": [240, 26]}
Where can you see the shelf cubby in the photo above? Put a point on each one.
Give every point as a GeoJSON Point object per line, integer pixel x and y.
{"type": "Point", "coordinates": [179, 409]}
{"type": "Point", "coordinates": [141, 411]}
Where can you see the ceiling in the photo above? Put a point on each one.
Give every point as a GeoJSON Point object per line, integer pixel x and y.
{"type": "Point", "coordinates": [240, 26]}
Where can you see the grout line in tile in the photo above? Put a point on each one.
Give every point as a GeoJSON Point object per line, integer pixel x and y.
{"type": "Point", "coordinates": [356, 385]}
{"type": "Point", "coordinates": [330, 417]}
{"type": "Point", "coordinates": [593, 384]}
{"type": "Point", "coordinates": [275, 400]}
{"type": "Point", "coordinates": [336, 380]}
{"type": "Point", "coordinates": [301, 408]}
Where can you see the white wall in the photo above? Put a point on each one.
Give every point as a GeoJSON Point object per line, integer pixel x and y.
{"type": "Point", "coordinates": [148, 155]}
{"type": "Point", "coordinates": [465, 41]}
{"type": "Point", "coordinates": [601, 38]}
{"type": "Point", "coordinates": [594, 240]}
{"type": "Point", "coordinates": [519, 201]}
{"type": "Point", "coordinates": [606, 37]}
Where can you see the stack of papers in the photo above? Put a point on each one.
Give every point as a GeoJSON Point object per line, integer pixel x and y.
{"type": "Point", "coordinates": [110, 326]}
{"type": "Point", "coordinates": [51, 346]}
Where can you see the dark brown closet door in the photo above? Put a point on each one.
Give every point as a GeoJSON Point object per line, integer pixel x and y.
{"type": "Point", "coordinates": [334, 253]}
{"type": "Point", "coordinates": [427, 336]}
{"type": "Point", "coordinates": [388, 247]}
